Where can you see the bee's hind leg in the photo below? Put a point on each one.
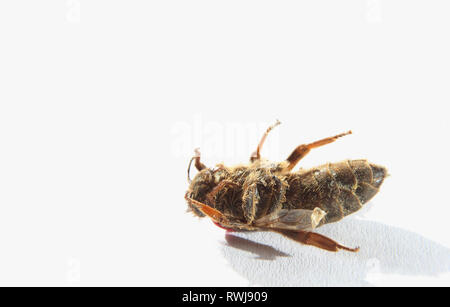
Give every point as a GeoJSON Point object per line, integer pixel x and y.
{"type": "Point", "coordinates": [302, 150]}
{"type": "Point", "coordinates": [315, 239]}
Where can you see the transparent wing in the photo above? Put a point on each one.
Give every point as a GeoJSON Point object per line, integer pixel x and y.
{"type": "Point", "coordinates": [294, 219]}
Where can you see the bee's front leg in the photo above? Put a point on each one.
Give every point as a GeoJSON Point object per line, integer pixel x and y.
{"type": "Point", "coordinates": [210, 196]}
{"type": "Point", "coordinates": [212, 213]}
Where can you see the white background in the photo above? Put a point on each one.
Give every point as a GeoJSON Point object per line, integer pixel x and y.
{"type": "Point", "coordinates": [103, 102]}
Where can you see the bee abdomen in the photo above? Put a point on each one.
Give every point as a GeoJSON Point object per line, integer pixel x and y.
{"type": "Point", "coordinates": [337, 188]}
{"type": "Point", "coordinates": [369, 178]}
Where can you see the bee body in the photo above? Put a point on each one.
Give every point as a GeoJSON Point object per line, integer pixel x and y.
{"type": "Point", "coordinates": [268, 196]}
{"type": "Point", "coordinates": [339, 189]}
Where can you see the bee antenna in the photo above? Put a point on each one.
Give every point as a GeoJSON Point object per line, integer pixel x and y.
{"type": "Point", "coordinates": [189, 170]}
{"type": "Point", "coordinates": [198, 165]}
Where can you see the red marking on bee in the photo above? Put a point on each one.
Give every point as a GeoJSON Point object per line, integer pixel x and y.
{"type": "Point", "coordinates": [220, 226]}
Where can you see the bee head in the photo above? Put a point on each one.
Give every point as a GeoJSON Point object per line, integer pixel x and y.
{"type": "Point", "coordinates": [199, 187]}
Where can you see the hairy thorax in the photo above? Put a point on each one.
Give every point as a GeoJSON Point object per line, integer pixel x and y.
{"type": "Point", "coordinates": [246, 193]}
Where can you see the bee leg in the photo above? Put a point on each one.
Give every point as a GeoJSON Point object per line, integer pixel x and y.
{"type": "Point", "coordinates": [212, 213]}
{"type": "Point", "coordinates": [256, 155]}
{"type": "Point", "coordinates": [250, 201]}
{"type": "Point", "coordinates": [210, 196]}
{"type": "Point", "coordinates": [303, 150]}
{"type": "Point", "coordinates": [198, 165]}
{"type": "Point", "coordinates": [315, 239]}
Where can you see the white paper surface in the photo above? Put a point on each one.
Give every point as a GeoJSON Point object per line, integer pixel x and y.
{"type": "Point", "coordinates": [102, 104]}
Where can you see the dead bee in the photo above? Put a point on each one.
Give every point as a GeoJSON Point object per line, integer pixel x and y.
{"type": "Point", "coordinates": [268, 196]}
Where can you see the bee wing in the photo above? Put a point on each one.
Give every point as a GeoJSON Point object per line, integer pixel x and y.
{"type": "Point", "coordinates": [293, 219]}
